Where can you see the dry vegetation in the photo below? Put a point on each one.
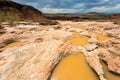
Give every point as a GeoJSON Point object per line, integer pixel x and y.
{"type": "Point", "coordinates": [4, 17]}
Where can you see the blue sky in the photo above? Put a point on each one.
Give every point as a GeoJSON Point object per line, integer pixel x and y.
{"type": "Point", "coordinates": [74, 6]}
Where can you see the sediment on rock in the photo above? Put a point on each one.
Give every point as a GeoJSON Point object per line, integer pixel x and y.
{"type": "Point", "coordinates": [46, 48]}
{"type": "Point", "coordinates": [93, 60]}
{"type": "Point", "coordinates": [93, 39]}
{"type": "Point", "coordinates": [107, 28]}
{"type": "Point", "coordinates": [113, 45]}
{"type": "Point", "coordinates": [33, 61]}
{"type": "Point", "coordinates": [6, 39]}
{"type": "Point", "coordinates": [112, 63]}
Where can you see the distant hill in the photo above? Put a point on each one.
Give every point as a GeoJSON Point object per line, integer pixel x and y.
{"type": "Point", "coordinates": [24, 11]}
{"type": "Point", "coordinates": [115, 16]}
{"type": "Point", "coordinates": [93, 13]}
{"type": "Point", "coordinates": [79, 17]}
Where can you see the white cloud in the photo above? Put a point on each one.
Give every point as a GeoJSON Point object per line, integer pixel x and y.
{"type": "Point", "coordinates": [79, 5]}
{"type": "Point", "coordinates": [49, 9]}
{"type": "Point", "coordinates": [57, 10]}
{"type": "Point", "coordinates": [104, 8]}
{"type": "Point", "coordinates": [100, 2]}
{"type": "Point", "coordinates": [35, 4]}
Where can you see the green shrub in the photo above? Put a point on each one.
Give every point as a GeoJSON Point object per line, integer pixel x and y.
{"type": "Point", "coordinates": [9, 18]}
{"type": "Point", "coordinates": [12, 18]}
{"type": "Point", "coordinates": [2, 16]}
{"type": "Point", "coordinates": [0, 26]}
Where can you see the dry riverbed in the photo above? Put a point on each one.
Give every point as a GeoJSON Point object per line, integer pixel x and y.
{"type": "Point", "coordinates": [67, 51]}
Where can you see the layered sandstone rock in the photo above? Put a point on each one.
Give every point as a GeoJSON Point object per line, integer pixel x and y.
{"type": "Point", "coordinates": [107, 28]}
{"type": "Point", "coordinates": [93, 39]}
{"type": "Point", "coordinates": [94, 61]}
{"type": "Point", "coordinates": [45, 34]}
{"type": "Point", "coordinates": [90, 47]}
{"type": "Point", "coordinates": [86, 33]}
{"type": "Point", "coordinates": [47, 46]}
{"type": "Point", "coordinates": [32, 33]}
{"type": "Point", "coordinates": [113, 63]}
{"type": "Point", "coordinates": [113, 45]}
{"type": "Point", "coordinates": [25, 12]}
{"type": "Point", "coordinates": [33, 61]}
{"type": "Point", "coordinates": [6, 39]}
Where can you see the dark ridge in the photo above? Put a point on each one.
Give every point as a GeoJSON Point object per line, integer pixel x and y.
{"type": "Point", "coordinates": [25, 12]}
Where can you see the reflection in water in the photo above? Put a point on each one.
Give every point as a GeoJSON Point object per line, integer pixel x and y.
{"type": "Point", "coordinates": [79, 39]}
{"type": "Point", "coordinates": [109, 75]}
{"type": "Point", "coordinates": [74, 67]}
{"type": "Point", "coordinates": [101, 37]}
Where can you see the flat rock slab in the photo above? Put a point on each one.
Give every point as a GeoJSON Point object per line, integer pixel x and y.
{"type": "Point", "coordinates": [32, 61]}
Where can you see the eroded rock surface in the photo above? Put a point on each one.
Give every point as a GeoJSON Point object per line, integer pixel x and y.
{"type": "Point", "coordinates": [33, 61]}
{"type": "Point", "coordinates": [46, 45]}
{"type": "Point", "coordinates": [113, 63]}
{"type": "Point", "coordinates": [94, 61]}
{"type": "Point", "coordinates": [107, 28]}
{"type": "Point", "coordinates": [113, 45]}
{"type": "Point", "coordinates": [32, 33]}
{"type": "Point", "coordinates": [6, 39]}
{"type": "Point", "coordinates": [93, 39]}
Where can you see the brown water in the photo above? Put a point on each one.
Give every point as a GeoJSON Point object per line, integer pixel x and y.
{"type": "Point", "coordinates": [101, 37]}
{"type": "Point", "coordinates": [109, 75]}
{"type": "Point", "coordinates": [79, 39]}
{"type": "Point", "coordinates": [74, 67]}
{"type": "Point", "coordinates": [12, 45]}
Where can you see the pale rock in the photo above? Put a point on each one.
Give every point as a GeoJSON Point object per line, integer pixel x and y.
{"type": "Point", "coordinates": [113, 45]}
{"type": "Point", "coordinates": [94, 62]}
{"type": "Point", "coordinates": [90, 47]}
{"type": "Point", "coordinates": [6, 39]}
{"type": "Point", "coordinates": [114, 50]}
{"type": "Point", "coordinates": [85, 33]}
{"type": "Point", "coordinates": [75, 29]}
{"type": "Point", "coordinates": [93, 39]}
{"type": "Point", "coordinates": [33, 61]}
{"type": "Point", "coordinates": [113, 63]}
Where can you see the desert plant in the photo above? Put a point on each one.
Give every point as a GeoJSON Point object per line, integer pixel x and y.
{"type": "Point", "coordinates": [9, 18]}
{"type": "Point", "coordinates": [0, 26]}
{"type": "Point", "coordinates": [12, 18]}
{"type": "Point", "coordinates": [2, 16]}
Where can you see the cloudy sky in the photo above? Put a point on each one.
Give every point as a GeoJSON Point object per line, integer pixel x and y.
{"type": "Point", "coordinates": [74, 6]}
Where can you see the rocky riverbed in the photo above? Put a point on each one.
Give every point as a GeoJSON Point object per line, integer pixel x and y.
{"type": "Point", "coordinates": [32, 51]}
